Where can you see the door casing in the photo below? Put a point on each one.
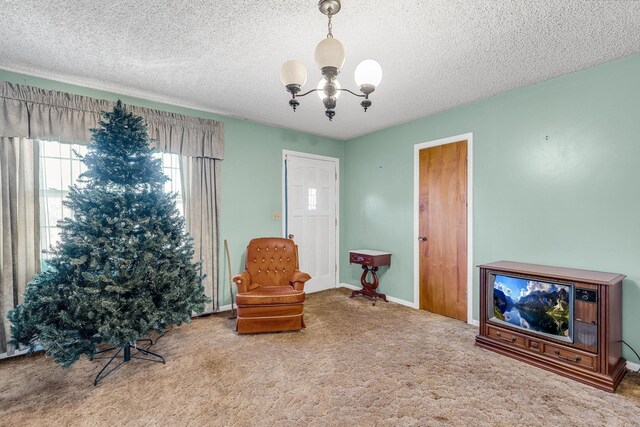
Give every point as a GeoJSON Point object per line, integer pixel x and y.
{"type": "Point", "coordinates": [416, 217]}
{"type": "Point", "coordinates": [336, 160]}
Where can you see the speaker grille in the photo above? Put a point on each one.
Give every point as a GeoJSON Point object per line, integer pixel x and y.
{"type": "Point", "coordinates": [586, 334]}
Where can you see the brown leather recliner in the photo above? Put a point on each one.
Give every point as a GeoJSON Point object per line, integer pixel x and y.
{"type": "Point", "coordinates": [271, 291]}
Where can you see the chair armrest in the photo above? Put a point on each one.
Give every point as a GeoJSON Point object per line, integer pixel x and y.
{"type": "Point", "coordinates": [243, 280]}
{"type": "Point", "coordinates": [298, 280]}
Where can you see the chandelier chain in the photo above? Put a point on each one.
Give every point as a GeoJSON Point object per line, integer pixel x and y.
{"type": "Point", "coordinates": [329, 25]}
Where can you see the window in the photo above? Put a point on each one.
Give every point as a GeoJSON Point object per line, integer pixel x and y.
{"type": "Point", "coordinates": [312, 201]}
{"type": "Point", "coordinates": [60, 167]}
{"type": "Point", "coordinates": [171, 168]}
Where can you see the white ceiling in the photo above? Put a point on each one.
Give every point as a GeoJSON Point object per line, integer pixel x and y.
{"type": "Point", "coordinates": [225, 55]}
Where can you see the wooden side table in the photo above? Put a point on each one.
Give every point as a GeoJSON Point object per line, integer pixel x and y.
{"type": "Point", "coordinates": [370, 261]}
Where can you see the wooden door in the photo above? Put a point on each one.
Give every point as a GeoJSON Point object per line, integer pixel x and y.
{"type": "Point", "coordinates": [443, 229]}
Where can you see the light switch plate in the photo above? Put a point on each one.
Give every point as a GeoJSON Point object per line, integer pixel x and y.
{"type": "Point", "coordinates": [276, 216]}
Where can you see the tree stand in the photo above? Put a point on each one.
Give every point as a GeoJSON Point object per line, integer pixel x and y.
{"type": "Point", "coordinates": [127, 356]}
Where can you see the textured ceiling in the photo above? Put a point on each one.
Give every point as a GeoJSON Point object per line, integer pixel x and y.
{"type": "Point", "coordinates": [224, 56]}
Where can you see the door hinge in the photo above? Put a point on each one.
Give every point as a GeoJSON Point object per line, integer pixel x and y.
{"type": "Point", "coordinates": [336, 268]}
{"type": "Point", "coordinates": [336, 222]}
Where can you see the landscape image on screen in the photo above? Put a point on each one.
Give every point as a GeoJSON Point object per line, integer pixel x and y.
{"type": "Point", "coordinates": [537, 306]}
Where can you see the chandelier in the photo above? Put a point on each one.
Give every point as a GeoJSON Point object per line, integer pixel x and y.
{"type": "Point", "coordinates": [330, 56]}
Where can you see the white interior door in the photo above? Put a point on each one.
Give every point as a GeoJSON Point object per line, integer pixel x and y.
{"type": "Point", "coordinates": [311, 188]}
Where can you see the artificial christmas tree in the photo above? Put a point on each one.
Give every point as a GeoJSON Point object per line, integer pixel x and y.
{"type": "Point", "coordinates": [123, 265]}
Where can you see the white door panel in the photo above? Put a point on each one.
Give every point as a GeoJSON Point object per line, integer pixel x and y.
{"type": "Point", "coordinates": [311, 213]}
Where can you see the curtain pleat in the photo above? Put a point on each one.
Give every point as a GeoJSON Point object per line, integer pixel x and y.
{"type": "Point", "coordinates": [184, 135]}
{"type": "Point", "coordinates": [19, 226]}
{"type": "Point", "coordinates": [14, 115]}
{"type": "Point", "coordinates": [201, 197]}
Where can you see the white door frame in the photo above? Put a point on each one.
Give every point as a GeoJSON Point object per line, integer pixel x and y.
{"type": "Point", "coordinates": [284, 200]}
{"type": "Point", "coordinates": [416, 217]}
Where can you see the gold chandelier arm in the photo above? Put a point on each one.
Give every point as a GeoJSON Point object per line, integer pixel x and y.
{"type": "Point", "coordinates": [307, 93]}
{"type": "Point", "coordinates": [353, 93]}
{"type": "Point", "coordinates": [342, 90]}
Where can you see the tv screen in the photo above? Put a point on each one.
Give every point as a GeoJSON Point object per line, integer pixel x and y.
{"type": "Point", "coordinates": [541, 307]}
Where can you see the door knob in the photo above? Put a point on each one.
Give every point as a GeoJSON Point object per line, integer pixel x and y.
{"type": "Point", "coordinates": [291, 236]}
{"type": "Point", "coordinates": [422, 239]}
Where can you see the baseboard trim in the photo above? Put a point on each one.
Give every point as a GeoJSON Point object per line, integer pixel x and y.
{"type": "Point", "coordinates": [39, 348]}
{"type": "Point", "coordinates": [17, 353]}
{"type": "Point", "coordinates": [390, 298]}
{"type": "Point", "coordinates": [210, 313]}
{"type": "Point", "coordinates": [348, 286]}
{"type": "Point", "coordinates": [402, 302]}
{"type": "Point", "coordinates": [472, 322]}
{"type": "Point", "coordinates": [224, 308]}
{"type": "Point", "coordinates": [635, 367]}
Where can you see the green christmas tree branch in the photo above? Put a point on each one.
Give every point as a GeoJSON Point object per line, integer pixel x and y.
{"type": "Point", "coordinates": [124, 263]}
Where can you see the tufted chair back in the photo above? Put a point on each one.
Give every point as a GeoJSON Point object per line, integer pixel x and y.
{"type": "Point", "coordinates": [271, 261]}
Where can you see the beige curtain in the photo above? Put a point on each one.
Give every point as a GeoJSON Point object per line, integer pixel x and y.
{"type": "Point", "coordinates": [30, 112]}
{"type": "Point", "coordinates": [201, 197]}
{"type": "Point", "coordinates": [19, 226]}
{"type": "Point", "coordinates": [184, 135]}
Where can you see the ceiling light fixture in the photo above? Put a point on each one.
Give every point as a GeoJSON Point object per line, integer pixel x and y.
{"type": "Point", "coordinates": [330, 56]}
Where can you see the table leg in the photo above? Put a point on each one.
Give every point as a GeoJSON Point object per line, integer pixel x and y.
{"type": "Point", "coordinates": [369, 288]}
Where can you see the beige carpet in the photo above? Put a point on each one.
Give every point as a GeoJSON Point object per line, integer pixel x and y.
{"type": "Point", "coordinates": [355, 364]}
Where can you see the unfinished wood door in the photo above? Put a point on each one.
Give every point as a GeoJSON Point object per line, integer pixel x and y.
{"type": "Point", "coordinates": [443, 229]}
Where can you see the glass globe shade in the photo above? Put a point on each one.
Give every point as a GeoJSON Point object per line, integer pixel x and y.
{"type": "Point", "coordinates": [321, 88]}
{"type": "Point", "coordinates": [368, 72]}
{"type": "Point", "coordinates": [330, 53]}
{"type": "Point", "coordinates": [293, 73]}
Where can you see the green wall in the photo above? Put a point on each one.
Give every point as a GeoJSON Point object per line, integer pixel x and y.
{"type": "Point", "coordinates": [571, 200]}
{"type": "Point", "coordinates": [251, 181]}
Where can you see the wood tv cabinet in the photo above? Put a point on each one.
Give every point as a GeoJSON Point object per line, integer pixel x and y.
{"type": "Point", "coordinates": [594, 356]}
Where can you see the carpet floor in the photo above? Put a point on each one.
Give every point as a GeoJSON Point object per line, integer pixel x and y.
{"type": "Point", "coordinates": [354, 364]}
